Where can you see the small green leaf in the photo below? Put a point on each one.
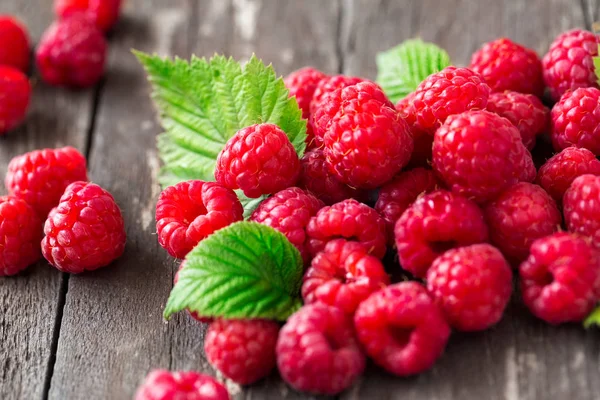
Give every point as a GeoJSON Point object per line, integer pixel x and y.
{"type": "Point", "coordinates": [402, 68]}
{"type": "Point", "coordinates": [592, 319]}
{"type": "Point", "coordinates": [246, 270]}
{"type": "Point", "coordinates": [249, 204]}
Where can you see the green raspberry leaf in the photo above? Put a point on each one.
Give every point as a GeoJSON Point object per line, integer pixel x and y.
{"type": "Point", "coordinates": [596, 60]}
{"type": "Point", "coordinates": [402, 68]}
{"type": "Point", "coordinates": [249, 204]}
{"type": "Point", "coordinates": [246, 270]}
{"type": "Point", "coordinates": [592, 319]}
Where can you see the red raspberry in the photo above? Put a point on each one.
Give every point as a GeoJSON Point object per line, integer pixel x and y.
{"type": "Point", "coordinates": [451, 91]}
{"type": "Point", "coordinates": [559, 280]}
{"type": "Point", "coordinates": [506, 65]}
{"type": "Point", "coordinates": [317, 351]}
{"type": "Point", "coordinates": [520, 215]}
{"type": "Point", "coordinates": [575, 120]}
{"type": "Point", "coordinates": [85, 231]}
{"type": "Point", "coordinates": [193, 314]}
{"type": "Point", "coordinates": [329, 85]}
{"type": "Point", "coordinates": [433, 224]}
{"type": "Point", "coordinates": [557, 174]}
{"type": "Point", "coordinates": [14, 51]}
{"type": "Point", "coordinates": [347, 219]}
{"type": "Point", "coordinates": [183, 385]}
{"type": "Point", "coordinates": [15, 93]}
{"type": "Point", "coordinates": [190, 211]}
{"type": "Point", "coordinates": [243, 350]}
{"type": "Point", "coordinates": [471, 285]}
{"type": "Point", "coordinates": [581, 206]}
{"type": "Point", "coordinates": [289, 211]}
{"type": "Point", "coordinates": [20, 235]}
{"type": "Point", "coordinates": [569, 62]}
{"type": "Point", "coordinates": [480, 154]}
{"type": "Point", "coordinates": [72, 53]}
{"type": "Point", "coordinates": [259, 159]}
{"type": "Point", "coordinates": [343, 275]}
{"type": "Point", "coordinates": [40, 177]}
{"type": "Point", "coordinates": [104, 13]}
{"type": "Point", "coordinates": [423, 140]}
{"type": "Point", "coordinates": [402, 329]}
{"type": "Point", "coordinates": [525, 111]}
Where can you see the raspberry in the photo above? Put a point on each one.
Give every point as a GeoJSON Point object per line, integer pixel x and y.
{"type": "Point", "coordinates": [557, 174]}
{"type": "Point", "coordinates": [471, 285]}
{"type": "Point", "coordinates": [193, 314]}
{"type": "Point", "coordinates": [581, 206]}
{"type": "Point", "coordinates": [259, 159]}
{"type": "Point", "coordinates": [72, 53]}
{"type": "Point", "coordinates": [20, 235]}
{"type": "Point", "coordinates": [347, 219]}
{"type": "Point", "coordinates": [190, 211]}
{"type": "Point", "coordinates": [317, 351]}
{"type": "Point", "coordinates": [450, 91]}
{"type": "Point", "coordinates": [560, 278]}
{"type": "Point", "coordinates": [329, 85]}
{"type": "Point", "coordinates": [85, 231]}
{"type": "Point", "coordinates": [289, 211]}
{"type": "Point", "coordinates": [402, 329]}
{"type": "Point", "coordinates": [506, 65]}
{"type": "Point", "coordinates": [480, 154]}
{"type": "Point", "coordinates": [343, 275]}
{"type": "Point", "coordinates": [104, 13]}
{"type": "Point", "coordinates": [184, 385]}
{"type": "Point", "coordinates": [40, 177]}
{"type": "Point", "coordinates": [569, 62]}
{"type": "Point", "coordinates": [14, 51]}
{"type": "Point", "coordinates": [433, 224]}
{"type": "Point", "coordinates": [243, 350]}
{"type": "Point", "coordinates": [575, 120]}
{"type": "Point", "coordinates": [525, 111]}
{"type": "Point", "coordinates": [15, 93]}
{"type": "Point", "coordinates": [520, 215]}
{"type": "Point", "coordinates": [423, 140]}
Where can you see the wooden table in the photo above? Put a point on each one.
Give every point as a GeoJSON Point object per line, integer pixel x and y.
{"type": "Point", "coordinates": [96, 335]}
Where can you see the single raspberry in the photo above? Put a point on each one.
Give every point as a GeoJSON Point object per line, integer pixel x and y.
{"type": "Point", "coordinates": [317, 351]}
{"type": "Point", "coordinates": [243, 350]}
{"type": "Point", "coordinates": [557, 174]}
{"type": "Point", "coordinates": [559, 280]}
{"type": "Point", "coordinates": [14, 51]}
{"type": "Point", "coordinates": [575, 120]}
{"type": "Point", "coordinates": [437, 222]}
{"type": "Point", "coordinates": [104, 13]}
{"type": "Point", "coordinates": [520, 215]}
{"type": "Point", "coordinates": [15, 93]}
{"type": "Point", "coordinates": [183, 385]}
{"type": "Point", "coordinates": [525, 111]}
{"type": "Point", "coordinates": [480, 154]}
{"type": "Point", "coordinates": [506, 65]}
{"type": "Point", "coordinates": [289, 211]}
{"type": "Point", "coordinates": [402, 329]}
{"type": "Point", "coordinates": [423, 140]}
{"type": "Point", "coordinates": [85, 231]}
{"type": "Point", "coordinates": [347, 219]}
{"type": "Point", "coordinates": [581, 206]}
{"type": "Point", "coordinates": [20, 235]}
{"type": "Point", "coordinates": [259, 159]}
{"type": "Point", "coordinates": [451, 91]}
{"type": "Point", "coordinates": [569, 62]}
{"type": "Point", "coordinates": [192, 210]}
{"type": "Point", "coordinates": [193, 314]}
{"type": "Point", "coordinates": [72, 53]}
{"type": "Point", "coordinates": [328, 85]}
{"type": "Point", "coordinates": [343, 275]}
{"type": "Point", "coordinates": [40, 177]}
{"type": "Point", "coordinates": [471, 285]}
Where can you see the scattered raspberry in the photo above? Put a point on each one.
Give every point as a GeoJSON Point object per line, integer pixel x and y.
{"type": "Point", "coordinates": [72, 53]}
{"type": "Point", "coordinates": [190, 211]}
{"type": "Point", "coordinates": [581, 206]}
{"type": "Point", "coordinates": [569, 64]}
{"type": "Point", "coordinates": [14, 51]}
{"type": "Point", "coordinates": [104, 13]}
{"type": "Point", "coordinates": [15, 92]}
{"type": "Point", "coordinates": [520, 215]}
{"type": "Point", "coordinates": [480, 154]}
{"type": "Point", "coordinates": [259, 159]}
{"type": "Point", "coordinates": [402, 329]}
{"type": "Point", "coordinates": [437, 222]}
{"type": "Point", "coordinates": [243, 350]}
{"type": "Point", "coordinates": [85, 231]}
{"type": "Point", "coordinates": [193, 314]}
{"type": "Point", "coordinates": [40, 177]}
{"type": "Point", "coordinates": [560, 277]}
{"type": "Point", "coordinates": [317, 351]}
{"type": "Point", "coordinates": [20, 235]}
{"type": "Point", "coordinates": [347, 219]}
{"type": "Point", "coordinates": [423, 140]}
{"type": "Point", "coordinates": [182, 385]}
